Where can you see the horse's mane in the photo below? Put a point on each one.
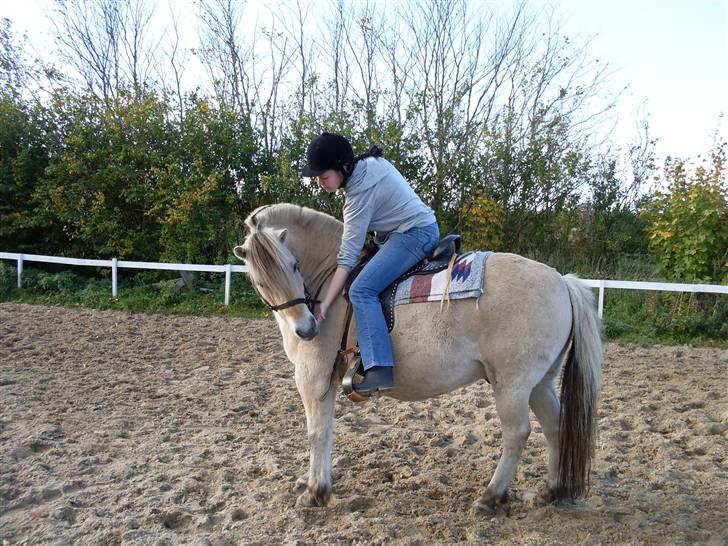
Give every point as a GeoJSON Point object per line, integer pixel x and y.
{"type": "Point", "coordinates": [264, 251]}
{"type": "Point", "coordinates": [287, 214]}
{"type": "Point", "coordinates": [312, 237]}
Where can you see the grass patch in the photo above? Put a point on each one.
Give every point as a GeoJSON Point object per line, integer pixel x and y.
{"type": "Point", "coordinates": [667, 318]}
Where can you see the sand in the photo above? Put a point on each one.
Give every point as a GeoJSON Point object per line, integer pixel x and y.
{"type": "Point", "coordinates": [141, 429]}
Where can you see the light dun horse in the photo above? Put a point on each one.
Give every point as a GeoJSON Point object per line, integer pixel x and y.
{"type": "Point", "coordinates": [530, 322]}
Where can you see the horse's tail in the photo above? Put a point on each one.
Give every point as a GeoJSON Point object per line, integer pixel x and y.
{"type": "Point", "coordinates": [580, 387]}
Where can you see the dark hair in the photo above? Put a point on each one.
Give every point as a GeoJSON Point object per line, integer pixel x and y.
{"type": "Point", "coordinates": [372, 151]}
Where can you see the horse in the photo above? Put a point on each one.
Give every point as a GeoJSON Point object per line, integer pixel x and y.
{"type": "Point", "coordinates": [529, 324]}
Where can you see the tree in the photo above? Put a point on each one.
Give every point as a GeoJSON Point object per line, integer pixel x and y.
{"type": "Point", "coordinates": [107, 43]}
{"type": "Point", "coordinates": [102, 178]}
{"type": "Point", "coordinates": [23, 159]}
{"type": "Point", "coordinates": [688, 221]}
{"type": "Point", "coordinates": [206, 187]}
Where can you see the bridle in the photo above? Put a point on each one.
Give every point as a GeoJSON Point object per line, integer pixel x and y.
{"type": "Point", "coordinates": [307, 300]}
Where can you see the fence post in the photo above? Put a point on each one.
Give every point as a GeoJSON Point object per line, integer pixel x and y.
{"type": "Point", "coordinates": [20, 271]}
{"type": "Point", "coordinates": [228, 271]}
{"type": "Point", "coordinates": [114, 277]}
{"type": "Point", "coordinates": [601, 298]}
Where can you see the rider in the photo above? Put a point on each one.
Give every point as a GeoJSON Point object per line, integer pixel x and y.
{"type": "Point", "coordinates": [377, 198]}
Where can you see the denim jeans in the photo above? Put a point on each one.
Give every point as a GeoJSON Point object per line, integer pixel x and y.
{"type": "Point", "coordinates": [399, 253]}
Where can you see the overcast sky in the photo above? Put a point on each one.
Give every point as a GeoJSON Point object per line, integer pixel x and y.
{"type": "Point", "coordinates": [672, 55]}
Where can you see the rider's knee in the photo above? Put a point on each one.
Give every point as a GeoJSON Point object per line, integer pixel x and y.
{"type": "Point", "coordinates": [360, 292]}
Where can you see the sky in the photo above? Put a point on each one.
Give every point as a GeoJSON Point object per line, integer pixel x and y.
{"type": "Point", "coordinates": [672, 55]}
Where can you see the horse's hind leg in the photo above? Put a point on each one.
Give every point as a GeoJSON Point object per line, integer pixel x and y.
{"type": "Point", "coordinates": [545, 405]}
{"type": "Point", "coordinates": [512, 406]}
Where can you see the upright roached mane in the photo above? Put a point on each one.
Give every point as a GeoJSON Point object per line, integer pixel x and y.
{"type": "Point", "coordinates": [530, 321]}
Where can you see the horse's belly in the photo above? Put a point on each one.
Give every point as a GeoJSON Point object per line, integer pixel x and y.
{"type": "Point", "coordinates": [435, 352]}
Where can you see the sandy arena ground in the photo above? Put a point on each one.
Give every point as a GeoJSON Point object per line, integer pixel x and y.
{"type": "Point", "coordinates": [135, 429]}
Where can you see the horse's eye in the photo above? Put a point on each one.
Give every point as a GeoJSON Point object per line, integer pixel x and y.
{"type": "Point", "coordinates": [295, 268]}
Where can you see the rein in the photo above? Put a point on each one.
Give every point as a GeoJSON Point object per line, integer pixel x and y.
{"type": "Point", "coordinates": [342, 353]}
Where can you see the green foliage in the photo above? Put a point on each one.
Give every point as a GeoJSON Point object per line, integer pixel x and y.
{"type": "Point", "coordinates": [23, 158]}
{"type": "Point", "coordinates": [127, 180]}
{"type": "Point", "coordinates": [689, 221]}
{"type": "Point", "coordinates": [8, 278]}
{"type": "Point", "coordinates": [102, 177]}
{"type": "Point", "coordinates": [206, 186]}
{"type": "Point", "coordinates": [669, 318]}
{"type": "Point", "coordinates": [535, 180]}
{"type": "Point", "coordinates": [482, 224]}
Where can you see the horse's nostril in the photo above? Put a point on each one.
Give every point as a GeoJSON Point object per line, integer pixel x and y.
{"type": "Point", "coordinates": [307, 333]}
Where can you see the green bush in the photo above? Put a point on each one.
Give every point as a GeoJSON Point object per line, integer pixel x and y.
{"type": "Point", "coordinates": [689, 222]}
{"type": "Point", "coordinates": [142, 292]}
{"type": "Point", "coordinates": [665, 317]}
{"type": "Point", "coordinates": [8, 278]}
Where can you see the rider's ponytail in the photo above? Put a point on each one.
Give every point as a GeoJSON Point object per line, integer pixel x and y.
{"type": "Point", "coordinates": [372, 151]}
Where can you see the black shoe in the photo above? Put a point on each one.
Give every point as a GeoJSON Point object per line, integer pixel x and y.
{"type": "Point", "coordinates": [376, 378]}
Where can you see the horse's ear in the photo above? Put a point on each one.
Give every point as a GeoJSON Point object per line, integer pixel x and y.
{"type": "Point", "coordinates": [282, 234]}
{"type": "Point", "coordinates": [239, 252]}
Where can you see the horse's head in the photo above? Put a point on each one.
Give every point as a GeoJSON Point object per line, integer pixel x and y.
{"type": "Point", "coordinates": [274, 272]}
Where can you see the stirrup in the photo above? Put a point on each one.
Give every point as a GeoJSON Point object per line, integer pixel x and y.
{"type": "Point", "coordinates": [347, 384]}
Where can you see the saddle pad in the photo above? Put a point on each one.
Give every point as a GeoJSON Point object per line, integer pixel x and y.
{"type": "Point", "coordinates": [466, 281]}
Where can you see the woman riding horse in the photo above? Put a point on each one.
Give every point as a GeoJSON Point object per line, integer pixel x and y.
{"type": "Point", "coordinates": [379, 199]}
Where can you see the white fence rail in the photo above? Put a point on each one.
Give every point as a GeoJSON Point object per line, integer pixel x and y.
{"type": "Point", "coordinates": [115, 264]}
{"type": "Point", "coordinates": [602, 284]}
{"type": "Point", "coordinates": [228, 269]}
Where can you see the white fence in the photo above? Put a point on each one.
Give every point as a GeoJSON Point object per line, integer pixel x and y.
{"type": "Point", "coordinates": [115, 264]}
{"type": "Point", "coordinates": [228, 269]}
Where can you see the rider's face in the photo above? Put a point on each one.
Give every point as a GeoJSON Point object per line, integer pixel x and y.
{"type": "Point", "coordinates": [330, 180]}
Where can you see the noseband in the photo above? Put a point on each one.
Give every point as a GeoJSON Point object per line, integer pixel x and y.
{"type": "Point", "coordinates": [307, 300]}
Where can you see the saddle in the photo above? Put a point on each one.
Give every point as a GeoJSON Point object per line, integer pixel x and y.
{"type": "Point", "coordinates": [437, 260]}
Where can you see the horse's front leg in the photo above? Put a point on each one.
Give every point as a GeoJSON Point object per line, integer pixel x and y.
{"type": "Point", "coordinates": [311, 385]}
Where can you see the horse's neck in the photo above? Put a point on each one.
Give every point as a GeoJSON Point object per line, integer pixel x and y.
{"type": "Point", "coordinates": [316, 260]}
{"type": "Point", "coordinates": [316, 251]}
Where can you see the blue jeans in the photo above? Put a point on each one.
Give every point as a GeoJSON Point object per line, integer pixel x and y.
{"type": "Point", "coordinates": [401, 252]}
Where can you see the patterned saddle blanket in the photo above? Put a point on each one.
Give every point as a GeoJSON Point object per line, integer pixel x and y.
{"type": "Point", "coordinates": [431, 282]}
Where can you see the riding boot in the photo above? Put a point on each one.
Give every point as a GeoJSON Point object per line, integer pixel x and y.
{"type": "Point", "coordinates": [376, 378]}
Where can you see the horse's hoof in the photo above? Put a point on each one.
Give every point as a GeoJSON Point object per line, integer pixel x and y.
{"type": "Point", "coordinates": [314, 499]}
{"type": "Point", "coordinates": [490, 505]}
{"type": "Point", "coordinates": [549, 495]}
{"type": "Point", "coordinates": [301, 484]}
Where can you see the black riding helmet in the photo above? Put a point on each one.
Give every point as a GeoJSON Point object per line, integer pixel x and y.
{"type": "Point", "coordinates": [328, 151]}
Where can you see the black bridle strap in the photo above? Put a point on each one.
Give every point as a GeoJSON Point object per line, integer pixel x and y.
{"type": "Point", "coordinates": [290, 303]}
{"type": "Point", "coordinates": [308, 301]}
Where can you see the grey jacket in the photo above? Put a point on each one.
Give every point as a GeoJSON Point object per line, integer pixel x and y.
{"type": "Point", "coordinates": [379, 199]}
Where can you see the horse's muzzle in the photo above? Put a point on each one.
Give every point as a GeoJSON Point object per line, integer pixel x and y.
{"type": "Point", "coordinates": [309, 331]}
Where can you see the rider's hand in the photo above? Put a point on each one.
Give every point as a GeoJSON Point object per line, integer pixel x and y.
{"type": "Point", "coordinates": [323, 309]}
